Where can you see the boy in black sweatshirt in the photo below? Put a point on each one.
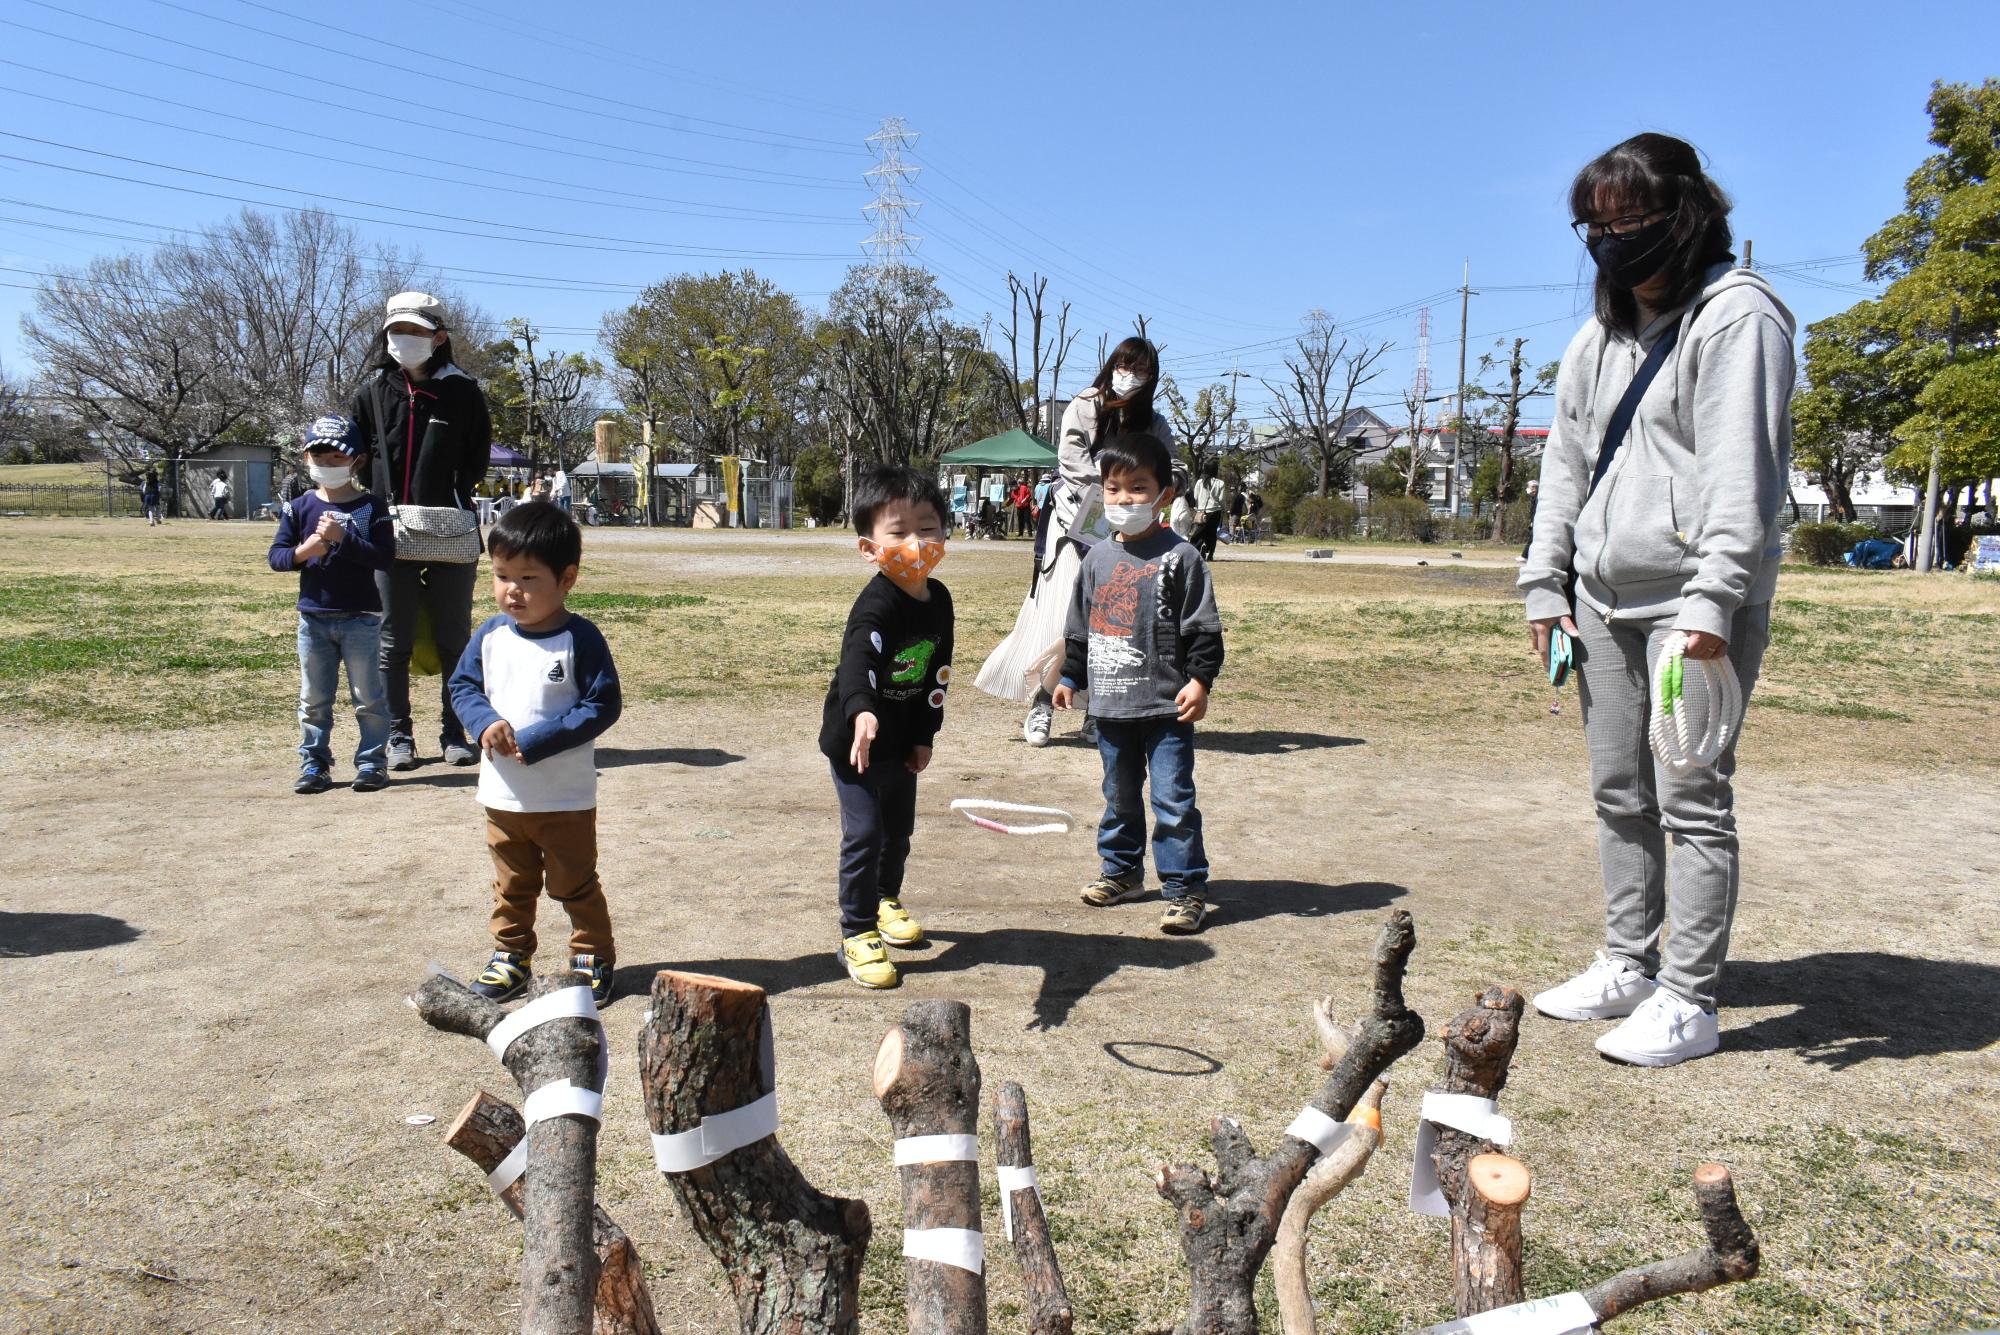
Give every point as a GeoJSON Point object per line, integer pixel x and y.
{"type": "Point", "coordinates": [1144, 637]}
{"type": "Point", "coordinates": [883, 709]}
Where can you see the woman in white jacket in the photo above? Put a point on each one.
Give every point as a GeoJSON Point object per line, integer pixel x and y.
{"type": "Point", "coordinates": [1666, 527]}
{"type": "Point", "coordinates": [1028, 662]}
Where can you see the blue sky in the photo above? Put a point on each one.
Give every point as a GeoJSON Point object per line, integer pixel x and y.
{"type": "Point", "coordinates": [1222, 169]}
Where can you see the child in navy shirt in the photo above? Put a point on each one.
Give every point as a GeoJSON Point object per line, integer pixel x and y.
{"type": "Point", "coordinates": [536, 686]}
{"type": "Point", "coordinates": [336, 537]}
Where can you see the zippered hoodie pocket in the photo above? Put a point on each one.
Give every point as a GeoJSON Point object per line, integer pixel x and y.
{"type": "Point", "coordinates": [1643, 539]}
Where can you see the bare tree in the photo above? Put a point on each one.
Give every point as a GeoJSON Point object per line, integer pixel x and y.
{"type": "Point", "coordinates": [909, 380]}
{"type": "Point", "coordinates": [1206, 427]}
{"type": "Point", "coordinates": [556, 385]}
{"type": "Point", "coordinates": [1540, 384]}
{"type": "Point", "coordinates": [1413, 455]}
{"type": "Point", "coordinates": [1024, 393]}
{"type": "Point", "coordinates": [1314, 412]}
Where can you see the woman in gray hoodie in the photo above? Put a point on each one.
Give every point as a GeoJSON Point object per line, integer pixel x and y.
{"type": "Point", "coordinates": [1678, 533]}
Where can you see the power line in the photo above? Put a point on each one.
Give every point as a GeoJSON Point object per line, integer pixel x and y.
{"type": "Point", "coordinates": [763, 176]}
{"type": "Point", "coordinates": [629, 243]}
{"type": "Point", "coordinates": [792, 221]}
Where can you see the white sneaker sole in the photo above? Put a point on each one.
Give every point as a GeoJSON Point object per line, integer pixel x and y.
{"type": "Point", "coordinates": [1656, 1059]}
{"type": "Point", "coordinates": [1614, 1010]}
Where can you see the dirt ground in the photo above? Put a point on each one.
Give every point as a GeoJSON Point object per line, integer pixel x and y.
{"type": "Point", "coordinates": [207, 1059]}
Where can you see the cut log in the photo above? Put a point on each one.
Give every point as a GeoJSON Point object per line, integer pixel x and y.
{"type": "Point", "coordinates": [1479, 1048]}
{"type": "Point", "coordinates": [1732, 1254]}
{"type": "Point", "coordinates": [792, 1253]}
{"type": "Point", "coordinates": [1486, 1265]}
{"type": "Point", "coordinates": [928, 1084]}
{"type": "Point", "coordinates": [558, 1262]}
{"type": "Point", "coordinates": [1049, 1310]}
{"type": "Point", "coordinates": [1229, 1220]}
{"type": "Point", "coordinates": [486, 1132]}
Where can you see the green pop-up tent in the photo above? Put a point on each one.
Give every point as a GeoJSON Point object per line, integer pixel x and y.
{"type": "Point", "coordinates": [1009, 449]}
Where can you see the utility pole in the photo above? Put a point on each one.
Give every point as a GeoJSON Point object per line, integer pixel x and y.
{"type": "Point", "coordinates": [1465, 295]}
{"type": "Point", "coordinates": [1749, 253]}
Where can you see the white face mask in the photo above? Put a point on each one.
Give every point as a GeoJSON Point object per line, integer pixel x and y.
{"type": "Point", "coordinates": [1124, 383]}
{"type": "Point", "coordinates": [331, 477]}
{"type": "Point", "coordinates": [1130, 520]}
{"type": "Point", "coordinates": [410, 350]}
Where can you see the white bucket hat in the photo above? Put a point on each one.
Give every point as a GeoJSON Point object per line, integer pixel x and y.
{"type": "Point", "coordinates": [416, 308]}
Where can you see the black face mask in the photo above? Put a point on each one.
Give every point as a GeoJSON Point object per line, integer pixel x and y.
{"type": "Point", "coordinates": [1629, 261]}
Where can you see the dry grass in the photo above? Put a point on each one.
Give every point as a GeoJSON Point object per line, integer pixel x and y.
{"type": "Point", "coordinates": [243, 1046]}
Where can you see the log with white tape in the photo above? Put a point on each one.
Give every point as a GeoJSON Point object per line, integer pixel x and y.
{"type": "Point", "coordinates": [1023, 1220]}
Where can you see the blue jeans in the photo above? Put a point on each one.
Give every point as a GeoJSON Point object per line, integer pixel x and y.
{"type": "Point", "coordinates": [1132, 750]}
{"type": "Point", "coordinates": [326, 640]}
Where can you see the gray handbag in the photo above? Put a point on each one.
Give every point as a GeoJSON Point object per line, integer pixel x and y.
{"type": "Point", "coordinates": [442, 533]}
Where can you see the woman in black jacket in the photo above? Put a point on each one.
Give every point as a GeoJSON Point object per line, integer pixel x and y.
{"type": "Point", "coordinates": [431, 438]}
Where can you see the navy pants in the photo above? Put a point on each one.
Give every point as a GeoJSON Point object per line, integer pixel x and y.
{"type": "Point", "coordinates": [878, 810]}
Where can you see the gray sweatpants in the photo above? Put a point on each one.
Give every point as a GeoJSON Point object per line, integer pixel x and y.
{"type": "Point", "coordinates": [1640, 803]}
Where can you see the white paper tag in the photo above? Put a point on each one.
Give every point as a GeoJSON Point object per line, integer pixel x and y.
{"type": "Point", "coordinates": [936, 1149]}
{"type": "Point", "coordinates": [1316, 1128]}
{"type": "Point", "coordinates": [568, 1003]}
{"type": "Point", "coordinates": [718, 1134]}
{"type": "Point", "coordinates": [1556, 1315]}
{"type": "Point", "coordinates": [962, 1247]}
{"type": "Point", "coordinates": [1011, 1181]}
{"type": "Point", "coordinates": [1461, 1112]}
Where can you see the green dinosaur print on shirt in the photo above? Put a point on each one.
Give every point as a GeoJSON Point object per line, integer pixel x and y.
{"type": "Point", "coordinates": [912, 663]}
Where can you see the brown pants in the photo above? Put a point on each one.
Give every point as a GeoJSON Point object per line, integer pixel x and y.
{"type": "Point", "coordinates": [526, 845]}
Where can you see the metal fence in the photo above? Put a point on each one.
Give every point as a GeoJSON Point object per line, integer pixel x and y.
{"type": "Point", "coordinates": [185, 492]}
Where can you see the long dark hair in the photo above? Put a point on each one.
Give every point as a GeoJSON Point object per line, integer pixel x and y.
{"type": "Point", "coordinates": [380, 360]}
{"type": "Point", "coordinates": [1114, 417]}
{"type": "Point", "coordinates": [1653, 172]}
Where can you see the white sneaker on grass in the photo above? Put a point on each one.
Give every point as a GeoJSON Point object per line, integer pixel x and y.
{"type": "Point", "coordinates": [1666, 1031]}
{"type": "Point", "coordinates": [1609, 989]}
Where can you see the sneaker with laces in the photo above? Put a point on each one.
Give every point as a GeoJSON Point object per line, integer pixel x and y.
{"type": "Point", "coordinates": [867, 961]}
{"type": "Point", "coordinates": [595, 970]}
{"type": "Point", "coordinates": [1183, 915]}
{"type": "Point", "coordinates": [371, 780]}
{"type": "Point", "coordinates": [896, 925]}
{"type": "Point", "coordinates": [1666, 1031]}
{"type": "Point", "coordinates": [505, 977]}
{"type": "Point", "coordinates": [457, 751]}
{"type": "Point", "coordinates": [1035, 728]}
{"type": "Point", "coordinates": [401, 753]}
{"type": "Point", "coordinates": [1609, 989]}
{"type": "Point", "coordinates": [312, 779]}
{"type": "Point", "coordinates": [1107, 890]}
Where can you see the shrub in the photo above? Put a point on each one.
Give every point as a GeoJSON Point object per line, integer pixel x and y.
{"type": "Point", "coordinates": [1401, 519]}
{"type": "Point", "coordinates": [1517, 524]}
{"type": "Point", "coordinates": [1325, 517]}
{"type": "Point", "coordinates": [816, 485]}
{"type": "Point", "coordinates": [1827, 544]}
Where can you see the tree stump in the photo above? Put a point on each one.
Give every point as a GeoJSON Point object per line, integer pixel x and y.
{"type": "Point", "coordinates": [928, 1084]}
{"type": "Point", "coordinates": [486, 1132]}
{"type": "Point", "coordinates": [1049, 1310]}
{"type": "Point", "coordinates": [1230, 1220]}
{"type": "Point", "coordinates": [792, 1253]}
{"type": "Point", "coordinates": [558, 1262]}
{"type": "Point", "coordinates": [1485, 1245]}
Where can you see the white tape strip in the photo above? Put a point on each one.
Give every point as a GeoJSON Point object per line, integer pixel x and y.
{"type": "Point", "coordinates": [1461, 1112]}
{"type": "Point", "coordinates": [718, 1134]}
{"type": "Point", "coordinates": [1557, 1315]}
{"type": "Point", "coordinates": [569, 1003]}
{"type": "Point", "coordinates": [509, 1170]}
{"type": "Point", "coordinates": [936, 1149]}
{"type": "Point", "coordinates": [1011, 1181]}
{"type": "Point", "coordinates": [1316, 1128]}
{"type": "Point", "coordinates": [962, 1247]}
{"type": "Point", "coordinates": [560, 1098]}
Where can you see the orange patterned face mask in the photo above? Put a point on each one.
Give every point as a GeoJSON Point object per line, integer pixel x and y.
{"type": "Point", "coordinates": [909, 563]}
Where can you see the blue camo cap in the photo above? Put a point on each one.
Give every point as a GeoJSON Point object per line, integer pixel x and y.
{"type": "Point", "coordinates": [333, 432]}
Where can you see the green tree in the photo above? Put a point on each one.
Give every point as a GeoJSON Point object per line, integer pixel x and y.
{"type": "Point", "coordinates": [721, 363]}
{"type": "Point", "coordinates": [1862, 381]}
{"type": "Point", "coordinates": [816, 484]}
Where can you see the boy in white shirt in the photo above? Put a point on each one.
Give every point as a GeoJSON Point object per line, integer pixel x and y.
{"type": "Point", "coordinates": [536, 686]}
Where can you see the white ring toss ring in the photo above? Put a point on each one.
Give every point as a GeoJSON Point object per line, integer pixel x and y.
{"type": "Point", "coordinates": [1679, 748]}
{"type": "Point", "coordinates": [970, 807]}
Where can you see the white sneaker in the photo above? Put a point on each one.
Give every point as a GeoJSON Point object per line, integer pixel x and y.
{"type": "Point", "coordinates": [1608, 989]}
{"type": "Point", "coordinates": [1035, 729]}
{"type": "Point", "coordinates": [1664, 1032]}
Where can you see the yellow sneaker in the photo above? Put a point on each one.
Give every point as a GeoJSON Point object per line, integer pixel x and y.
{"type": "Point", "coordinates": [896, 925]}
{"type": "Point", "coordinates": [867, 961]}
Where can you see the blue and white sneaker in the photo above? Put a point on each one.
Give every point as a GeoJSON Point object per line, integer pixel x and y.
{"type": "Point", "coordinates": [597, 971]}
{"type": "Point", "coordinates": [505, 977]}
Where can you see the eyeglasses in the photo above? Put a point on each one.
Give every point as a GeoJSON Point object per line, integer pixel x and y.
{"type": "Point", "coordinates": [1588, 230]}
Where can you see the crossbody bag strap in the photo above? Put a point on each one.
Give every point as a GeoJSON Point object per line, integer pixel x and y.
{"type": "Point", "coordinates": [1628, 406]}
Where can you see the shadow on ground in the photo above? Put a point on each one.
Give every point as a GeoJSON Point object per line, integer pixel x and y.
{"type": "Point", "coordinates": [608, 757]}
{"type": "Point", "coordinates": [26, 934]}
{"type": "Point", "coordinates": [1267, 742]}
{"type": "Point", "coordinates": [1854, 1006]}
{"type": "Point", "coordinates": [1072, 964]}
